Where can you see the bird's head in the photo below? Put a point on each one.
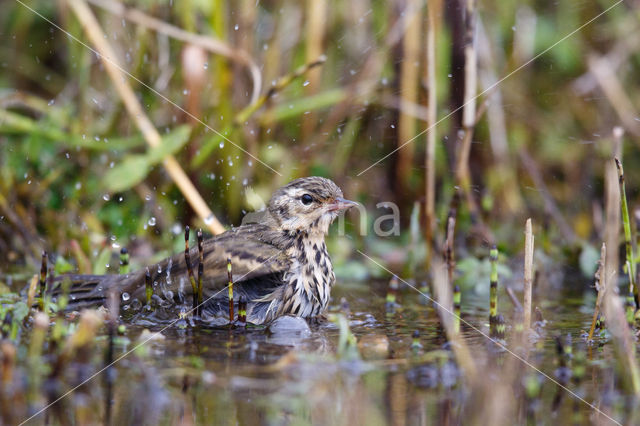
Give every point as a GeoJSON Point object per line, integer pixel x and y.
{"type": "Point", "coordinates": [308, 204]}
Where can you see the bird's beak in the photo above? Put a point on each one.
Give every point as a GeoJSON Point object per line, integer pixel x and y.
{"type": "Point", "coordinates": [341, 204]}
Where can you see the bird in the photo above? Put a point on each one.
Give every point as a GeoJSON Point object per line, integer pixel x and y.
{"type": "Point", "coordinates": [280, 261]}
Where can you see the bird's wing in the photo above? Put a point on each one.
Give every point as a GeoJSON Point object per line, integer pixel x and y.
{"type": "Point", "coordinates": [252, 257]}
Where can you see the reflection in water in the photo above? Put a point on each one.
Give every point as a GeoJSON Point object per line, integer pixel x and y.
{"type": "Point", "coordinates": [293, 373]}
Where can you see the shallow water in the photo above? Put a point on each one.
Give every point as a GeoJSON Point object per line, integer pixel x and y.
{"type": "Point", "coordinates": [199, 375]}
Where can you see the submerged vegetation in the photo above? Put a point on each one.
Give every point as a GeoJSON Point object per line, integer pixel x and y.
{"type": "Point", "coordinates": [494, 132]}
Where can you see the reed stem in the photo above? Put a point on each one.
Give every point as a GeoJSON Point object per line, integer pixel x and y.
{"type": "Point", "coordinates": [124, 261]}
{"type": "Point", "coordinates": [528, 274]}
{"type": "Point", "coordinates": [148, 286]}
{"type": "Point", "coordinates": [43, 280]}
{"type": "Point", "coordinates": [599, 288]}
{"type": "Point", "coordinates": [187, 259]}
{"type": "Point", "coordinates": [230, 276]}
{"type": "Point", "coordinates": [493, 292]}
{"type": "Point", "coordinates": [200, 269]}
{"type": "Point", "coordinates": [457, 308]}
{"type": "Point", "coordinates": [626, 225]}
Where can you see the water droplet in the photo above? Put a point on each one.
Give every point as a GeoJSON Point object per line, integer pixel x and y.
{"type": "Point", "coordinates": [306, 83]}
{"type": "Point", "coordinates": [221, 144]}
{"type": "Point", "coordinates": [236, 27]}
{"type": "Point", "coordinates": [206, 65]}
{"type": "Point", "coordinates": [106, 197]}
{"type": "Point", "coordinates": [152, 221]}
{"type": "Point", "coordinates": [185, 92]}
{"type": "Point", "coordinates": [51, 102]}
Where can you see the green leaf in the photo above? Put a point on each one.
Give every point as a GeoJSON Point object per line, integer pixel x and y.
{"type": "Point", "coordinates": [62, 266]}
{"type": "Point", "coordinates": [100, 265]}
{"type": "Point", "coordinates": [134, 168]}
{"type": "Point", "coordinates": [171, 143]}
{"type": "Point", "coordinates": [131, 171]}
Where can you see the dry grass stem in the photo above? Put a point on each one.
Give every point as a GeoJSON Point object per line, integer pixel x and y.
{"type": "Point", "coordinates": [433, 8]}
{"type": "Point", "coordinates": [600, 288]}
{"type": "Point", "coordinates": [316, 31]}
{"type": "Point", "coordinates": [615, 93]}
{"type": "Point", "coordinates": [528, 273]}
{"type": "Point", "coordinates": [409, 72]}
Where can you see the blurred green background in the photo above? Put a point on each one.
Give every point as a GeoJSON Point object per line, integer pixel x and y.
{"type": "Point", "coordinates": [77, 176]}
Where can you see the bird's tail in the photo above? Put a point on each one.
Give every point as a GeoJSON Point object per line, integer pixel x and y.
{"type": "Point", "coordinates": [86, 291]}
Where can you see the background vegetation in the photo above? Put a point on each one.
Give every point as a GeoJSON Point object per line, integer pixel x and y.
{"type": "Point", "coordinates": [76, 169]}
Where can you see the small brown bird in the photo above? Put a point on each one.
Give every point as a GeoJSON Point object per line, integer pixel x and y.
{"type": "Point", "coordinates": [279, 257]}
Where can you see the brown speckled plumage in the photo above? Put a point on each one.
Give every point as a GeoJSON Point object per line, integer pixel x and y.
{"type": "Point", "coordinates": [280, 261]}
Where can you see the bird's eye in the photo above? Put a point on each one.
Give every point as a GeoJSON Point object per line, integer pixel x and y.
{"type": "Point", "coordinates": [306, 199]}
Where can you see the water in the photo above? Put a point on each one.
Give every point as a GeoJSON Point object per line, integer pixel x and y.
{"type": "Point", "coordinates": [252, 377]}
{"type": "Point", "coordinates": [203, 375]}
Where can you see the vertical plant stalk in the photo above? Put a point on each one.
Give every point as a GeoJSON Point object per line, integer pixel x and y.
{"type": "Point", "coordinates": [230, 276]}
{"type": "Point", "coordinates": [200, 269]}
{"type": "Point", "coordinates": [43, 280]}
{"type": "Point", "coordinates": [501, 327]}
{"type": "Point", "coordinates": [148, 286]}
{"type": "Point", "coordinates": [315, 35]}
{"type": "Point", "coordinates": [626, 225]}
{"type": "Point", "coordinates": [457, 308]}
{"type": "Point", "coordinates": [187, 259]}
{"type": "Point", "coordinates": [430, 151]}
{"type": "Point", "coordinates": [409, 80]}
{"type": "Point", "coordinates": [630, 310]}
{"type": "Point", "coordinates": [151, 135]}
{"type": "Point", "coordinates": [124, 261]}
{"type": "Point", "coordinates": [600, 288]}
{"type": "Point", "coordinates": [528, 273]}
{"type": "Point", "coordinates": [242, 311]}
{"type": "Point", "coordinates": [463, 175]}
{"type": "Point", "coordinates": [449, 248]}
{"type": "Point", "coordinates": [493, 291]}
{"type": "Point", "coordinates": [33, 289]}
{"type": "Point", "coordinates": [113, 307]}
{"type": "Point", "coordinates": [624, 342]}
{"type": "Point", "coordinates": [442, 292]}
{"type": "Point", "coordinates": [34, 358]}
{"type": "Point", "coordinates": [392, 293]}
